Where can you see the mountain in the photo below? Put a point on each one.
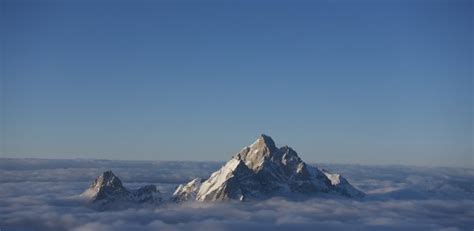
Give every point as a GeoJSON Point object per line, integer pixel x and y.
{"type": "Point", "coordinates": [108, 188]}
{"type": "Point", "coordinates": [263, 170]}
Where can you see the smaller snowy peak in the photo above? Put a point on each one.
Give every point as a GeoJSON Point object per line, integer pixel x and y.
{"type": "Point", "coordinates": [186, 192]}
{"type": "Point", "coordinates": [107, 188]}
{"type": "Point", "coordinates": [342, 186]}
{"type": "Point", "coordinates": [107, 180]}
{"type": "Point", "coordinates": [288, 157]}
{"type": "Point", "coordinates": [107, 185]}
{"type": "Point", "coordinates": [333, 177]}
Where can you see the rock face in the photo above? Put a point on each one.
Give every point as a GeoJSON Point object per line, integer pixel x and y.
{"type": "Point", "coordinates": [107, 188]}
{"type": "Point", "coordinates": [262, 170]}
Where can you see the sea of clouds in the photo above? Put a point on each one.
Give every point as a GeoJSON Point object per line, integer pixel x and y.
{"type": "Point", "coordinates": [40, 194]}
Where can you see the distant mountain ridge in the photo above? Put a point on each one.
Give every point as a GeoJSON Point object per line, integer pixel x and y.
{"type": "Point", "coordinates": [259, 171]}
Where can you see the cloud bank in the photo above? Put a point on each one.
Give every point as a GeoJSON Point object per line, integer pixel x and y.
{"type": "Point", "coordinates": [40, 195]}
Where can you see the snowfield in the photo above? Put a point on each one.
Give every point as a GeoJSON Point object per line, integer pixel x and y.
{"type": "Point", "coordinates": [40, 194]}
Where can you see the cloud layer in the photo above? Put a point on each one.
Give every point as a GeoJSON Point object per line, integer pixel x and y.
{"type": "Point", "coordinates": [40, 195]}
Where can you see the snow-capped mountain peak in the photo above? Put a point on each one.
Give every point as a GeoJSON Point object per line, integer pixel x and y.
{"type": "Point", "coordinates": [262, 170]}
{"type": "Point", "coordinates": [264, 141]}
{"type": "Point", "coordinates": [258, 152]}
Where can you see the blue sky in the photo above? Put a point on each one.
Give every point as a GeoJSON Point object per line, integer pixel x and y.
{"type": "Point", "coordinates": [370, 82]}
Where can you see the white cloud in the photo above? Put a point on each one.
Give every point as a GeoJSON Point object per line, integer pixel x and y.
{"type": "Point", "coordinates": [38, 195]}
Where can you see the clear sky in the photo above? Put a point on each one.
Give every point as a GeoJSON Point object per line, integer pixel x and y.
{"type": "Point", "coordinates": [369, 82]}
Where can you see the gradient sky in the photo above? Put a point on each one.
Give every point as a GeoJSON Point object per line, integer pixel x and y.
{"type": "Point", "coordinates": [369, 82]}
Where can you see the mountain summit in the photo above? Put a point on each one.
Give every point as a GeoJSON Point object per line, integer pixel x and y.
{"type": "Point", "coordinates": [262, 170]}
{"type": "Point", "coordinates": [108, 188]}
